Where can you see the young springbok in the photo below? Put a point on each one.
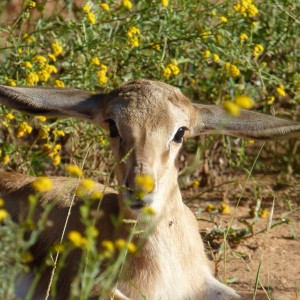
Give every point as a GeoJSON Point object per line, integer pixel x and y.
{"type": "Point", "coordinates": [147, 121]}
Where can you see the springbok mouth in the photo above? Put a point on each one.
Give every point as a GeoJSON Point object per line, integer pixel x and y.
{"type": "Point", "coordinates": [137, 205]}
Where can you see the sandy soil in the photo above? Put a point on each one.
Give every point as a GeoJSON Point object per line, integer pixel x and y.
{"type": "Point", "coordinates": [274, 255]}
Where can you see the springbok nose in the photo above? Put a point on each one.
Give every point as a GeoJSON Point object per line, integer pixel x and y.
{"type": "Point", "coordinates": [138, 193]}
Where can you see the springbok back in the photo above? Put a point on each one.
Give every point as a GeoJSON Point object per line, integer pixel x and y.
{"type": "Point", "coordinates": [147, 121]}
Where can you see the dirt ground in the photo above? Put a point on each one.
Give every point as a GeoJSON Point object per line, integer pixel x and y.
{"type": "Point", "coordinates": [274, 255]}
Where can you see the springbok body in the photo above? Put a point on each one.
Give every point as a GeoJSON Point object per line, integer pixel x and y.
{"type": "Point", "coordinates": [147, 121]}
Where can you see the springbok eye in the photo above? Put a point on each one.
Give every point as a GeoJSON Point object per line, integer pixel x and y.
{"type": "Point", "coordinates": [113, 129]}
{"type": "Point", "coordinates": [178, 137]}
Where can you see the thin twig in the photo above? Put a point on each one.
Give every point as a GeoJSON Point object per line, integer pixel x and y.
{"type": "Point", "coordinates": [64, 229]}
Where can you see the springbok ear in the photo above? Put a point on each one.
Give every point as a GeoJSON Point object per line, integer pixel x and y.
{"type": "Point", "coordinates": [56, 102]}
{"type": "Point", "coordinates": [249, 124]}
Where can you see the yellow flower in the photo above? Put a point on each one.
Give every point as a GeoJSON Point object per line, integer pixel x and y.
{"type": "Point", "coordinates": [6, 159]}
{"type": "Point", "coordinates": [254, 25]}
{"type": "Point", "coordinates": [10, 82]}
{"type": "Point", "coordinates": [258, 49]}
{"type": "Point", "coordinates": [133, 31]}
{"type": "Point", "coordinates": [252, 10]}
{"type": "Point", "coordinates": [103, 67]}
{"type": "Point", "coordinates": [245, 7]}
{"type": "Point", "coordinates": [270, 100]}
{"type": "Point", "coordinates": [23, 129]}
{"type": "Point", "coordinates": [210, 208]}
{"type": "Point", "coordinates": [77, 239]}
{"type": "Point", "coordinates": [102, 78]}
{"type": "Point", "coordinates": [108, 248]}
{"type": "Point", "coordinates": [206, 54]}
{"type": "Point", "coordinates": [156, 47]}
{"type": "Point", "coordinates": [205, 34]}
{"type": "Point", "coordinates": [47, 147]}
{"type": "Point", "coordinates": [43, 184]}
{"type": "Point", "coordinates": [95, 61]}
{"type": "Point", "coordinates": [52, 57]}
{"type": "Point", "coordinates": [57, 147]}
{"type": "Point", "coordinates": [56, 160]}
{"type": "Point", "coordinates": [216, 57]}
{"type": "Point", "coordinates": [50, 68]}
{"type": "Point", "coordinates": [165, 3]}
{"type": "Point", "coordinates": [195, 183]}
{"type": "Point", "coordinates": [9, 116]}
{"type": "Point", "coordinates": [74, 170]}
{"type": "Point", "coordinates": [32, 4]}
{"type": "Point", "coordinates": [263, 213]}
{"type": "Point", "coordinates": [58, 132]}
{"type": "Point", "coordinates": [233, 70]}
{"type": "Point", "coordinates": [224, 208]}
{"type": "Point", "coordinates": [108, 245]}
{"type": "Point", "coordinates": [102, 140]}
{"type": "Point", "coordinates": [134, 41]}
{"type": "Point", "coordinates": [56, 48]}
{"type": "Point", "coordinates": [86, 8]}
{"type": "Point", "coordinates": [148, 211]}
{"type": "Point", "coordinates": [5, 124]}
{"type": "Point", "coordinates": [91, 18]}
{"type": "Point", "coordinates": [1, 202]}
{"type": "Point", "coordinates": [43, 75]}
{"type": "Point", "coordinates": [121, 244]}
{"type": "Point", "coordinates": [40, 59]}
{"type": "Point", "coordinates": [127, 4]}
{"type": "Point", "coordinates": [3, 214]}
{"type": "Point", "coordinates": [244, 37]}
{"type": "Point", "coordinates": [173, 67]}
{"type": "Point", "coordinates": [280, 91]}
{"type": "Point", "coordinates": [145, 182]}
{"type": "Point", "coordinates": [32, 78]}
{"type": "Point", "coordinates": [223, 19]}
{"type": "Point", "coordinates": [27, 64]}
{"type": "Point", "coordinates": [132, 34]}
{"type": "Point", "coordinates": [41, 118]}
{"type": "Point", "coordinates": [43, 132]}
{"type": "Point", "coordinates": [244, 101]}
{"type": "Point", "coordinates": [231, 108]}
{"type": "Point", "coordinates": [85, 187]}
{"type": "Point", "coordinates": [58, 83]}
{"type": "Point", "coordinates": [91, 232]}
{"type": "Point", "coordinates": [131, 247]}
{"type": "Point", "coordinates": [104, 6]}
{"type": "Point", "coordinates": [250, 142]}
{"type": "Point", "coordinates": [87, 184]}
{"type": "Point", "coordinates": [167, 72]}
{"type": "Point", "coordinates": [96, 195]}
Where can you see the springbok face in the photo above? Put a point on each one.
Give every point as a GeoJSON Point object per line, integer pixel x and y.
{"type": "Point", "coordinates": [147, 124]}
